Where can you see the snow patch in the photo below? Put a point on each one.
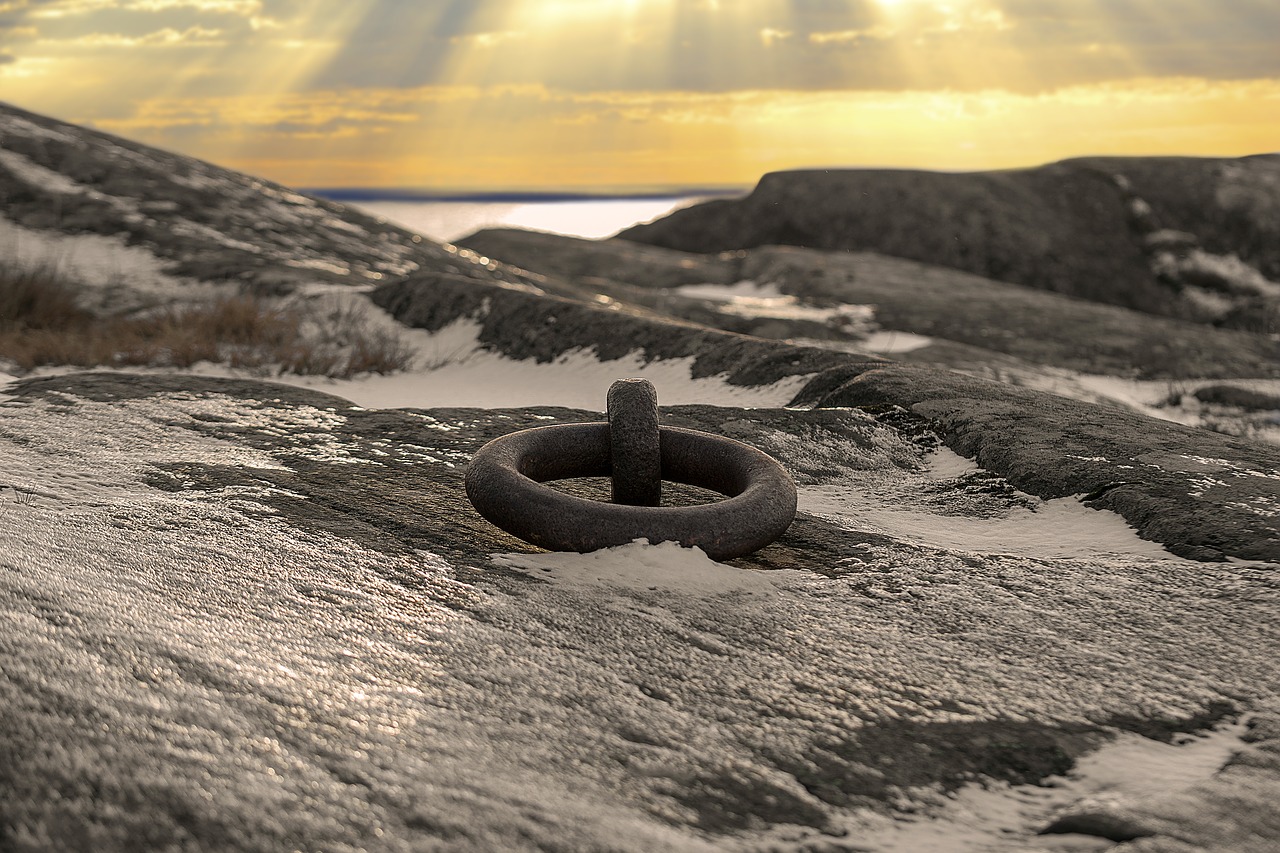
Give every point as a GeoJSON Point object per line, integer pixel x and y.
{"type": "Point", "coordinates": [728, 292]}
{"type": "Point", "coordinates": [995, 817]}
{"type": "Point", "coordinates": [889, 341]}
{"type": "Point", "coordinates": [35, 175]}
{"type": "Point", "coordinates": [320, 264]}
{"type": "Point", "coordinates": [124, 277]}
{"type": "Point", "coordinates": [187, 228]}
{"type": "Point", "coordinates": [1167, 400]}
{"type": "Point", "coordinates": [945, 464]}
{"type": "Point", "coordinates": [641, 567]}
{"type": "Point", "coordinates": [452, 369]}
{"type": "Point", "coordinates": [1227, 272]}
{"type": "Point", "coordinates": [1063, 528]}
{"type": "Point", "coordinates": [749, 299]}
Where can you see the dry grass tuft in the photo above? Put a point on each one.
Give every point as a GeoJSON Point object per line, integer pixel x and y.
{"type": "Point", "coordinates": [41, 324]}
{"type": "Point", "coordinates": [38, 298]}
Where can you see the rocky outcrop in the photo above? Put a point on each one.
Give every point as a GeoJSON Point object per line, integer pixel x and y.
{"type": "Point", "coordinates": [1203, 495]}
{"type": "Point", "coordinates": [1078, 227]}
{"type": "Point", "coordinates": [199, 221]}
{"type": "Point", "coordinates": [1231, 206]}
{"type": "Point", "coordinates": [586, 261]}
{"type": "Point", "coordinates": [1037, 327]}
{"type": "Point", "coordinates": [283, 626]}
{"type": "Point", "coordinates": [989, 319]}
{"type": "Point", "coordinates": [524, 325]}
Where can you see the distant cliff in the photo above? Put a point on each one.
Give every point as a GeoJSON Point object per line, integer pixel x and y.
{"type": "Point", "coordinates": [1197, 238]}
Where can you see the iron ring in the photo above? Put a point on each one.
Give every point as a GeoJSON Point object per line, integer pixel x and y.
{"type": "Point", "coordinates": [504, 484]}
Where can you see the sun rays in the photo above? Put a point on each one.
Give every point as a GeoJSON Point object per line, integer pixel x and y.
{"type": "Point", "coordinates": [581, 93]}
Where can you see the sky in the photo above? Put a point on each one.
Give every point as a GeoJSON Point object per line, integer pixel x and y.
{"type": "Point", "coordinates": [490, 95]}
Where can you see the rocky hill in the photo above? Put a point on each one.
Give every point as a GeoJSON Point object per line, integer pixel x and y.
{"type": "Point", "coordinates": [947, 306]}
{"type": "Point", "coordinates": [1182, 237]}
{"type": "Point", "coordinates": [148, 217]}
{"type": "Point", "coordinates": [243, 615]}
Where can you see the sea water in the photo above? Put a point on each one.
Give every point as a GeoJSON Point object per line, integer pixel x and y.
{"type": "Point", "coordinates": [452, 220]}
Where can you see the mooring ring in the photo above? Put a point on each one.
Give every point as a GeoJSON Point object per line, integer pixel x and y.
{"type": "Point", "coordinates": [504, 483]}
{"type": "Point", "coordinates": [634, 443]}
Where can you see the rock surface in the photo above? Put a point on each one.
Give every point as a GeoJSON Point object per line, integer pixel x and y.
{"type": "Point", "coordinates": [574, 258]}
{"type": "Point", "coordinates": [284, 627]}
{"type": "Point", "coordinates": [1079, 227]}
{"type": "Point", "coordinates": [988, 319]}
{"type": "Point", "coordinates": [241, 615]}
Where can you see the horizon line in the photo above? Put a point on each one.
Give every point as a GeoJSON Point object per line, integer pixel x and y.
{"type": "Point", "coordinates": [517, 196]}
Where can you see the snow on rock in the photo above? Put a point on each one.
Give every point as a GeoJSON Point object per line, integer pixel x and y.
{"type": "Point", "coordinates": [997, 817]}
{"type": "Point", "coordinates": [1059, 528]}
{"type": "Point", "coordinates": [38, 176]}
{"type": "Point", "coordinates": [454, 369]}
{"type": "Point", "coordinates": [111, 275]}
{"type": "Point", "coordinates": [530, 326]}
{"type": "Point", "coordinates": [1114, 459]}
{"type": "Point", "coordinates": [1223, 273]}
{"type": "Point", "coordinates": [749, 299]}
{"type": "Point", "coordinates": [665, 567]}
{"type": "Point", "coordinates": [890, 342]}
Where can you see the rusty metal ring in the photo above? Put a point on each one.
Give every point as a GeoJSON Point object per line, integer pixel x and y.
{"type": "Point", "coordinates": [504, 483]}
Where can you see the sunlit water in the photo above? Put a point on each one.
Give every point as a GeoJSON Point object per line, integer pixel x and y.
{"type": "Point", "coordinates": [453, 220]}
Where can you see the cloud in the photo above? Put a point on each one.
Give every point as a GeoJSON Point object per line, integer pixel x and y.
{"type": "Point", "coordinates": [72, 8]}
{"type": "Point", "coordinates": [15, 34]}
{"type": "Point", "coordinates": [685, 45]}
{"type": "Point", "coordinates": [969, 19]}
{"type": "Point", "coordinates": [244, 8]}
{"type": "Point", "coordinates": [531, 135]}
{"type": "Point", "coordinates": [579, 47]}
{"type": "Point", "coordinates": [769, 35]}
{"type": "Point", "coordinates": [13, 22]}
{"type": "Point", "coordinates": [7, 58]}
{"type": "Point", "coordinates": [843, 37]}
{"type": "Point", "coordinates": [488, 39]}
{"type": "Point", "coordinates": [167, 37]}
{"type": "Point", "coordinates": [315, 114]}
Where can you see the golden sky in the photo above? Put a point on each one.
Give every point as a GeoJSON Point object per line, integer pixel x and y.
{"type": "Point", "coordinates": [607, 94]}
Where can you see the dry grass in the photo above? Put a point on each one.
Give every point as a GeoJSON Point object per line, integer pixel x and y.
{"type": "Point", "coordinates": [41, 324]}
{"type": "Point", "coordinates": [38, 298]}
